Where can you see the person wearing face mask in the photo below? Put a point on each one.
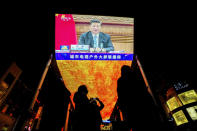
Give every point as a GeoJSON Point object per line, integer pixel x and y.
{"type": "Point", "coordinates": [98, 41]}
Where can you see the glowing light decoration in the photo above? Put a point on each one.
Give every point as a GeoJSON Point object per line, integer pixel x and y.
{"type": "Point", "coordinates": [180, 118]}
{"type": "Point", "coordinates": [188, 97]}
{"type": "Point", "coordinates": [192, 112]}
{"type": "Point", "coordinates": [173, 103]}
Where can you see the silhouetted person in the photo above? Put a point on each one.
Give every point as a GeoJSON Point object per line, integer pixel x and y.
{"type": "Point", "coordinates": [87, 113]}
{"type": "Point", "coordinates": [134, 100]}
{"type": "Point", "coordinates": [82, 107]}
{"type": "Point", "coordinates": [123, 87]}
{"type": "Point", "coordinates": [96, 118]}
{"type": "Point", "coordinates": [80, 98]}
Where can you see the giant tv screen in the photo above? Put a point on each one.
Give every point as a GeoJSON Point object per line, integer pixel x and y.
{"type": "Point", "coordinates": [90, 50]}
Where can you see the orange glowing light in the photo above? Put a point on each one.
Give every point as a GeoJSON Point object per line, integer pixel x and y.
{"type": "Point", "coordinates": [100, 77]}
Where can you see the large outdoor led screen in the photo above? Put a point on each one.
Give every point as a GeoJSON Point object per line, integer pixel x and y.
{"type": "Point", "coordinates": [91, 50]}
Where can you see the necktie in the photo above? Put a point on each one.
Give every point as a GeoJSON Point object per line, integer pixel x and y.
{"type": "Point", "coordinates": [95, 41]}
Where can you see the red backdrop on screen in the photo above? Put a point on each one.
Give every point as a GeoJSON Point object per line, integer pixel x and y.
{"type": "Point", "coordinates": [65, 33]}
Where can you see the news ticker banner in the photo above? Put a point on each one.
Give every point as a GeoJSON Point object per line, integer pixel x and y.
{"type": "Point", "coordinates": [94, 56]}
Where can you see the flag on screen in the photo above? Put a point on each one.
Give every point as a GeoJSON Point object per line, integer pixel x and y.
{"type": "Point", "coordinates": [65, 33]}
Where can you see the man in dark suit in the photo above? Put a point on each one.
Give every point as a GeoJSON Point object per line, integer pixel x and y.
{"type": "Point", "coordinates": [98, 41]}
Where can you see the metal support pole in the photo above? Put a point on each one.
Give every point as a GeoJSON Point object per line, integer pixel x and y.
{"type": "Point", "coordinates": [40, 84]}
{"type": "Point", "coordinates": [145, 80]}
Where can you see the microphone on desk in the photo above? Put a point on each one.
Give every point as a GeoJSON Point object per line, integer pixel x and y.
{"type": "Point", "coordinates": [92, 50]}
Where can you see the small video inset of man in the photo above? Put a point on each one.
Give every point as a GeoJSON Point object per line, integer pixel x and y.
{"type": "Point", "coordinates": [97, 41]}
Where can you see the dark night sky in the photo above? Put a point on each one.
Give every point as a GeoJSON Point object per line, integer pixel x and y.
{"type": "Point", "coordinates": [164, 39]}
